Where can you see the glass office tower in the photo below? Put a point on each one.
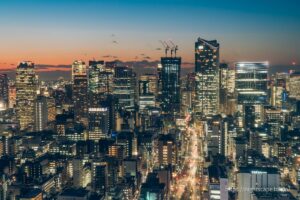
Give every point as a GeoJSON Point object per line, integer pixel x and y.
{"type": "Point", "coordinates": [124, 87]}
{"type": "Point", "coordinates": [170, 75]}
{"type": "Point", "coordinates": [207, 77]}
{"type": "Point", "coordinates": [251, 86]}
{"type": "Point", "coordinates": [251, 82]}
{"type": "Point", "coordinates": [80, 86]}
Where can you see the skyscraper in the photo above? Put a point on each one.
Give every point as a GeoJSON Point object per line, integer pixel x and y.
{"type": "Point", "coordinates": [12, 95]}
{"type": "Point", "coordinates": [251, 85]}
{"type": "Point", "coordinates": [207, 77]}
{"type": "Point", "coordinates": [26, 85]}
{"type": "Point", "coordinates": [294, 85]}
{"type": "Point", "coordinates": [167, 150]}
{"type": "Point", "coordinates": [206, 55]}
{"type": "Point", "coordinates": [98, 122]}
{"type": "Point", "coordinates": [124, 86]}
{"type": "Point", "coordinates": [40, 113]}
{"type": "Point", "coordinates": [95, 68]}
{"type": "Point", "coordinates": [4, 98]}
{"type": "Point", "coordinates": [251, 82]}
{"type": "Point", "coordinates": [159, 78]}
{"type": "Point", "coordinates": [147, 91]}
{"type": "Point", "coordinates": [148, 84]}
{"type": "Point", "coordinates": [170, 76]}
{"type": "Point", "coordinates": [80, 94]}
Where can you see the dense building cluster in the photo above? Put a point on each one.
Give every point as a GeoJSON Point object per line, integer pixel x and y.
{"type": "Point", "coordinates": [223, 131]}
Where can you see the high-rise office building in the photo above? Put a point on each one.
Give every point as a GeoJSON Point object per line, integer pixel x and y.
{"type": "Point", "coordinates": [167, 150]}
{"type": "Point", "coordinates": [207, 77]}
{"type": "Point", "coordinates": [100, 81]}
{"type": "Point", "coordinates": [26, 85]}
{"type": "Point", "coordinates": [170, 77]}
{"type": "Point", "coordinates": [294, 85]}
{"type": "Point", "coordinates": [251, 82]}
{"type": "Point", "coordinates": [217, 135]}
{"type": "Point", "coordinates": [4, 98]}
{"type": "Point", "coordinates": [80, 91]}
{"type": "Point", "coordinates": [147, 91]}
{"type": "Point", "coordinates": [12, 95]}
{"type": "Point", "coordinates": [129, 141]}
{"type": "Point", "coordinates": [206, 54]}
{"type": "Point", "coordinates": [251, 86]}
{"type": "Point", "coordinates": [224, 69]}
{"type": "Point", "coordinates": [51, 109]}
{"type": "Point", "coordinates": [148, 84]}
{"type": "Point", "coordinates": [99, 176]}
{"type": "Point", "coordinates": [124, 86]}
{"type": "Point", "coordinates": [159, 80]}
{"type": "Point", "coordinates": [95, 68]}
{"type": "Point", "coordinates": [98, 122]}
{"type": "Point", "coordinates": [40, 113]}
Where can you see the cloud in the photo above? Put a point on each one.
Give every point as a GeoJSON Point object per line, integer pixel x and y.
{"type": "Point", "coordinates": [188, 64]}
{"type": "Point", "coordinates": [115, 42]}
{"type": "Point", "coordinates": [50, 67]}
{"type": "Point", "coordinates": [7, 69]}
{"type": "Point", "coordinates": [140, 66]}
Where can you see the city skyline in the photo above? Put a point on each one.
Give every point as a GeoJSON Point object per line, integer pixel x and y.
{"type": "Point", "coordinates": [149, 100]}
{"type": "Point", "coordinates": [59, 33]}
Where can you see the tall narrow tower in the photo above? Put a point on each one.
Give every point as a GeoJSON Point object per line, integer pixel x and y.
{"type": "Point", "coordinates": [170, 75]}
{"type": "Point", "coordinates": [26, 85]}
{"type": "Point", "coordinates": [80, 91]}
{"type": "Point", "coordinates": [3, 92]}
{"type": "Point", "coordinates": [207, 77]}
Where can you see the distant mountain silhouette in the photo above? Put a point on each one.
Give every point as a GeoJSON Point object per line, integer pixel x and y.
{"type": "Point", "coordinates": [53, 72]}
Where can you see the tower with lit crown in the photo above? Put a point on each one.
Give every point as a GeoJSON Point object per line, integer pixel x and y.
{"type": "Point", "coordinates": [80, 91]}
{"type": "Point", "coordinates": [207, 77]}
{"type": "Point", "coordinates": [26, 85]}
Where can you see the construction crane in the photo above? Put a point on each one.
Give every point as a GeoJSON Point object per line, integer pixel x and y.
{"type": "Point", "coordinates": [166, 46]}
{"type": "Point", "coordinates": [174, 48]}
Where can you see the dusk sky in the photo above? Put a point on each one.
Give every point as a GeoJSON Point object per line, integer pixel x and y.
{"type": "Point", "coordinates": [57, 32]}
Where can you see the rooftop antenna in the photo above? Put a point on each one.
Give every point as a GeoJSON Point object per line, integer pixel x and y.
{"type": "Point", "coordinates": [166, 46]}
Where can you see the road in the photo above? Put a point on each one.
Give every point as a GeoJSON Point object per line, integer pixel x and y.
{"type": "Point", "coordinates": [187, 183]}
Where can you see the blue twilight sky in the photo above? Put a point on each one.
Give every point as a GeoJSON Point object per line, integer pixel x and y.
{"type": "Point", "coordinates": [60, 31]}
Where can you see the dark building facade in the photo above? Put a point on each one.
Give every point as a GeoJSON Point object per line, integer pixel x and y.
{"type": "Point", "coordinates": [170, 75]}
{"type": "Point", "coordinates": [3, 91]}
{"type": "Point", "coordinates": [80, 90]}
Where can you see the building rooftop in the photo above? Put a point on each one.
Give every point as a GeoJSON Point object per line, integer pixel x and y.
{"type": "Point", "coordinates": [75, 192]}
{"type": "Point", "coordinates": [31, 193]}
{"type": "Point", "coordinates": [273, 195]}
{"type": "Point", "coordinates": [269, 170]}
{"type": "Point", "coordinates": [216, 172]}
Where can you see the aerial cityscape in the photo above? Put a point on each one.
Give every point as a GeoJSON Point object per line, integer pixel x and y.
{"type": "Point", "coordinates": [149, 100]}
